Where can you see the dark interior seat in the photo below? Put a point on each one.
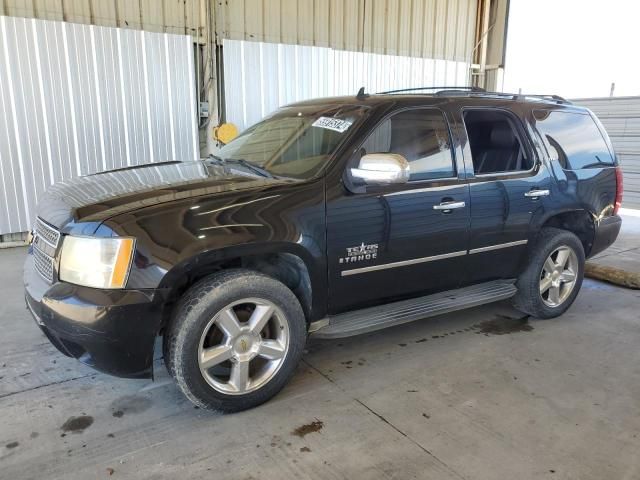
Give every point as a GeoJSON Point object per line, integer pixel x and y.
{"type": "Point", "coordinates": [503, 153]}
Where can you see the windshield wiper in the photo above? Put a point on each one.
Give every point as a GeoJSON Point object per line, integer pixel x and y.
{"type": "Point", "coordinates": [241, 161]}
{"type": "Point", "coordinates": [216, 159]}
{"type": "Point", "coordinates": [250, 166]}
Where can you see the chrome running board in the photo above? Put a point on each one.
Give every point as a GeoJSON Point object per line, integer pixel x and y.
{"type": "Point", "coordinates": [397, 313]}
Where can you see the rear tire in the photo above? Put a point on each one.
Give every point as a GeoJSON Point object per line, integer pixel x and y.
{"type": "Point", "coordinates": [235, 340]}
{"type": "Point", "coordinates": [552, 280]}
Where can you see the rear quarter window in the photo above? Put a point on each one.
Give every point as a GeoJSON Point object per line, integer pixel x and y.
{"type": "Point", "coordinates": [573, 139]}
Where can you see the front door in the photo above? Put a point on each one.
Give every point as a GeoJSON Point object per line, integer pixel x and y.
{"type": "Point", "coordinates": [398, 241]}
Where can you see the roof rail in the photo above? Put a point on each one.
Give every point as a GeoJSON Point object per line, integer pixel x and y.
{"type": "Point", "coordinates": [468, 89]}
{"type": "Point", "coordinates": [511, 96]}
{"type": "Point", "coordinates": [483, 93]}
{"type": "Point", "coordinates": [477, 91]}
{"type": "Point", "coordinates": [556, 98]}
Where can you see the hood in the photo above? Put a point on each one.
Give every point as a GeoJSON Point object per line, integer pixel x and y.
{"type": "Point", "coordinates": [100, 196]}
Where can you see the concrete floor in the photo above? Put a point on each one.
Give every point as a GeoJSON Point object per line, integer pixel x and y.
{"type": "Point", "coordinates": [624, 254]}
{"type": "Point", "coordinates": [472, 395]}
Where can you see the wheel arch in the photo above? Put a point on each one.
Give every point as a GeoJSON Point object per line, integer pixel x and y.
{"type": "Point", "coordinates": [580, 222]}
{"type": "Point", "coordinates": [288, 263]}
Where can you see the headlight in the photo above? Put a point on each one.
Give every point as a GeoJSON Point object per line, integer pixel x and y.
{"type": "Point", "coordinates": [96, 262]}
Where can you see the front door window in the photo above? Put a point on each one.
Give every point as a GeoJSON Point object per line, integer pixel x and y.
{"type": "Point", "coordinates": [422, 137]}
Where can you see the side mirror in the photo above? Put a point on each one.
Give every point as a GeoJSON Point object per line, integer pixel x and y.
{"type": "Point", "coordinates": [382, 169]}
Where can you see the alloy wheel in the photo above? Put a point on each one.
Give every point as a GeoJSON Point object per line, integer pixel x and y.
{"type": "Point", "coordinates": [243, 346]}
{"type": "Point", "coordinates": [558, 276]}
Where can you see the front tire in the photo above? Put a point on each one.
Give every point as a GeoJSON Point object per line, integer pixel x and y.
{"type": "Point", "coordinates": [235, 340]}
{"type": "Point", "coordinates": [552, 280]}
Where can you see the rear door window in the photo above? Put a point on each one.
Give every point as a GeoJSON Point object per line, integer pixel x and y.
{"type": "Point", "coordinates": [496, 142]}
{"type": "Point", "coordinates": [573, 139]}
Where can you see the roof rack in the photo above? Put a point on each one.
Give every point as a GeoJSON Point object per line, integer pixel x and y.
{"type": "Point", "coordinates": [556, 98]}
{"type": "Point", "coordinates": [510, 96]}
{"type": "Point", "coordinates": [477, 91]}
{"type": "Point", "coordinates": [464, 89]}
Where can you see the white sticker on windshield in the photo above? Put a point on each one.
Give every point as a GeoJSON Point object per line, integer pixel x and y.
{"type": "Point", "coordinates": [335, 124]}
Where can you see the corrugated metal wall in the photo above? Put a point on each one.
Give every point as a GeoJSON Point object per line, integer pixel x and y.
{"type": "Point", "coordinates": [439, 29]}
{"type": "Point", "coordinates": [186, 17]}
{"type": "Point", "coordinates": [434, 29]}
{"type": "Point", "coordinates": [260, 77]}
{"type": "Point", "coordinates": [78, 99]}
{"type": "Point", "coordinates": [621, 118]}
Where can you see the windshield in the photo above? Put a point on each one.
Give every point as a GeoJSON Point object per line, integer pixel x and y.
{"type": "Point", "coordinates": [294, 141]}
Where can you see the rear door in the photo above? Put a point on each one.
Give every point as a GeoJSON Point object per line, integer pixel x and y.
{"type": "Point", "coordinates": [508, 184]}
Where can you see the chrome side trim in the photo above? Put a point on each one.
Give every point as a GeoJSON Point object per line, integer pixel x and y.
{"type": "Point", "coordinates": [425, 189]}
{"type": "Point", "coordinates": [402, 263]}
{"type": "Point", "coordinates": [497, 247]}
{"type": "Point", "coordinates": [433, 258]}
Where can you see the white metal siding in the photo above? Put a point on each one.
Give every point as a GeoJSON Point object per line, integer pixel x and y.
{"type": "Point", "coordinates": [77, 99]}
{"type": "Point", "coordinates": [442, 29]}
{"type": "Point", "coordinates": [260, 77]}
{"type": "Point", "coordinates": [621, 118]}
{"type": "Point", "coordinates": [186, 17]}
{"type": "Point", "coordinates": [433, 29]}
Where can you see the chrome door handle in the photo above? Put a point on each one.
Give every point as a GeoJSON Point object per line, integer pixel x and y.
{"type": "Point", "coordinates": [536, 193]}
{"type": "Point", "coordinates": [449, 205]}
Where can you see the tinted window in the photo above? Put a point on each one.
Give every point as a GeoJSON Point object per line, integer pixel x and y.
{"type": "Point", "coordinates": [496, 146]}
{"type": "Point", "coordinates": [573, 139]}
{"type": "Point", "coordinates": [421, 136]}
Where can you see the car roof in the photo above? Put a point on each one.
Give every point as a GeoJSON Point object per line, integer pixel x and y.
{"type": "Point", "coordinates": [438, 98]}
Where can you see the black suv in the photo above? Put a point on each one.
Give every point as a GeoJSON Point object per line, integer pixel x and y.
{"type": "Point", "coordinates": [330, 218]}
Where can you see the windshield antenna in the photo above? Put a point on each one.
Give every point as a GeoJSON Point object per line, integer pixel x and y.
{"type": "Point", "coordinates": [361, 95]}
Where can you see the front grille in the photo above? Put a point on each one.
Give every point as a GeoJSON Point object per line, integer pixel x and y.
{"type": "Point", "coordinates": [47, 233]}
{"type": "Point", "coordinates": [43, 264]}
{"type": "Point", "coordinates": [46, 239]}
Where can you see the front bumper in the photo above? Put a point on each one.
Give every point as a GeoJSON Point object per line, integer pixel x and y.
{"type": "Point", "coordinates": [113, 331]}
{"type": "Point", "coordinates": [606, 232]}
